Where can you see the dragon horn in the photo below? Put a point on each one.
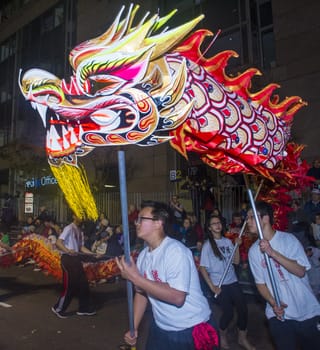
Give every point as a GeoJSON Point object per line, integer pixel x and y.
{"type": "Point", "coordinates": [165, 41]}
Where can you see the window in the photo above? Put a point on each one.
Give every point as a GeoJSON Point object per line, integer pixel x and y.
{"type": "Point", "coordinates": [53, 19]}
{"type": "Point", "coordinates": [7, 49]}
{"type": "Point", "coordinates": [266, 37]}
{"type": "Point", "coordinates": [246, 27]}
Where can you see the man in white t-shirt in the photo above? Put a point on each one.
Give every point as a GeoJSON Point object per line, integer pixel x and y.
{"type": "Point", "coordinates": [166, 276]}
{"type": "Point", "coordinates": [71, 244]}
{"type": "Point", "coordinates": [297, 320]}
{"type": "Point", "coordinates": [313, 254]}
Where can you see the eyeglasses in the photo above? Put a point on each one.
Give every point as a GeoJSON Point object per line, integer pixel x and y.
{"type": "Point", "coordinates": [215, 223]}
{"type": "Point", "coordinates": [140, 218]}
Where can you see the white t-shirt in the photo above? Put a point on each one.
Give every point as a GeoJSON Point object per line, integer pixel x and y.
{"type": "Point", "coordinates": [72, 237]}
{"type": "Point", "coordinates": [216, 267]}
{"type": "Point", "coordinates": [173, 263]}
{"type": "Point", "coordinates": [314, 272]}
{"type": "Point", "coordinates": [99, 247]}
{"type": "Point", "coordinates": [293, 290]}
{"type": "Point", "coordinates": [316, 231]}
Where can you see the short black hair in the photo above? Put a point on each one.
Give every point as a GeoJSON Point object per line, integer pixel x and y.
{"type": "Point", "coordinates": [264, 208]}
{"type": "Point", "coordinates": [160, 211]}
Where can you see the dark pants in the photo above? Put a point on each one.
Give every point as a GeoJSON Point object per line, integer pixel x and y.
{"type": "Point", "coordinates": [231, 296]}
{"type": "Point", "coordinates": [289, 333]}
{"type": "Point", "coordinates": [159, 339]}
{"type": "Point", "coordinates": [75, 282]}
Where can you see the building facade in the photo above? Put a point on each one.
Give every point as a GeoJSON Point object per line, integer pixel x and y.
{"type": "Point", "coordinates": [278, 37]}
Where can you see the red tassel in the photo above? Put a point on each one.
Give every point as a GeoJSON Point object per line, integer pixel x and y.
{"type": "Point", "coordinates": [205, 337]}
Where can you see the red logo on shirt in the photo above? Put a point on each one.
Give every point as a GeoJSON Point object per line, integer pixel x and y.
{"type": "Point", "coordinates": [155, 275]}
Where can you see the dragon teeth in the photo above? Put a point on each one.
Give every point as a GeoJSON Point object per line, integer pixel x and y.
{"type": "Point", "coordinates": [56, 142]}
{"type": "Point", "coordinates": [42, 110]}
{"type": "Point", "coordinates": [65, 133]}
{"type": "Point", "coordinates": [73, 137]}
{"type": "Point", "coordinates": [54, 145]}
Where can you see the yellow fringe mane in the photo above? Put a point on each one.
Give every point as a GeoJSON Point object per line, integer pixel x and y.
{"type": "Point", "coordinates": [74, 184]}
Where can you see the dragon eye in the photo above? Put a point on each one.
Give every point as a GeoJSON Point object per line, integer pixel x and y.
{"type": "Point", "coordinates": [104, 85]}
{"type": "Point", "coordinates": [96, 85]}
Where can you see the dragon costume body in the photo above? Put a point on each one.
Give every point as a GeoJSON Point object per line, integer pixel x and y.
{"type": "Point", "coordinates": [47, 257]}
{"type": "Point", "coordinates": [146, 84]}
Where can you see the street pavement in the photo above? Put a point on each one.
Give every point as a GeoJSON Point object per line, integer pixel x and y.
{"type": "Point", "coordinates": [29, 323]}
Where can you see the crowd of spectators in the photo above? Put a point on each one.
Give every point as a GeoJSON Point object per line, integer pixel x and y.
{"type": "Point", "coordinates": [214, 238]}
{"type": "Point", "coordinates": [106, 239]}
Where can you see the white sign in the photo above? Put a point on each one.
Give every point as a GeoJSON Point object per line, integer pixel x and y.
{"type": "Point", "coordinates": [28, 203]}
{"type": "Point", "coordinates": [175, 175]}
{"type": "Point", "coordinates": [28, 197]}
{"type": "Point", "coordinates": [28, 208]}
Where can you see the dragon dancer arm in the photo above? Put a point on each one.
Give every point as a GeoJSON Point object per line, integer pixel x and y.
{"type": "Point", "coordinates": [60, 245]}
{"type": "Point", "coordinates": [85, 250]}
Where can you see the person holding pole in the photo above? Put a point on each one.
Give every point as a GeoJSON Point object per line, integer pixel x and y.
{"type": "Point", "coordinates": [214, 256]}
{"type": "Point", "coordinates": [71, 244]}
{"type": "Point", "coordinates": [295, 318]}
{"type": "Point", "coordinates": [166, 276]}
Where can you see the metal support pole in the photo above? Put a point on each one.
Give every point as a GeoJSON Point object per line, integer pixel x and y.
{"type": "Point", "coordinates": [266, 256]}
{"type": "Point", "coordinates": [237, 245]}
{"type": "Point", "coordinates": [125, 225]}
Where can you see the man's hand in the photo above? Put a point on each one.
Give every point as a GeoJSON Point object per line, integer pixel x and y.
{"type": "Point", "coordinates": [265, 247]}
{"type": "Point", "coordinates": [131, 340]}
{"type": "Point", "coordinates": [279, 310]}
{"type": "Point", "coordinates": [128, 271]}
{"type": "Point", "coordinates": [238, 241]}
{"type": "Point", "coordinates": [216, 290]}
